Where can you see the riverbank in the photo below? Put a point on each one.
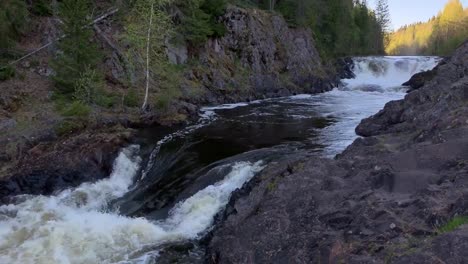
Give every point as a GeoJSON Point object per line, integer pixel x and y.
{"type": "Point", "coordinates": [48, 148]}
{"type": "Point", "coordinates": [397, 195]}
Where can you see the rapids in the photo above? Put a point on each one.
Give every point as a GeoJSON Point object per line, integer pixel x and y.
{"type": "Point", "coordinates": [169, 188]}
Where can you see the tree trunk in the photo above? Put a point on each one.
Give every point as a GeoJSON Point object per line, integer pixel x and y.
{"type": "Point", "coordinates": [148, 44]}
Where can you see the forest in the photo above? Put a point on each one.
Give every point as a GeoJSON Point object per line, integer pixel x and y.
{"type": "Point", "coordinates": [340, 28]}
{"type": "Point", "coordinates": [441, 35]}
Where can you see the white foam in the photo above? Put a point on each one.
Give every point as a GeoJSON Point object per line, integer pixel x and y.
{"type": "Point", "coordinates": [388, 72]}
{"type": "Point", "coordinates": [352, 104]}
{"type": "Point", "coordinates": [75, 226]}
{"type": "Point", "coordinates": [301, 96]}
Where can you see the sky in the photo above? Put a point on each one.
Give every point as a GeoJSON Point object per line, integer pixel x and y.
{"type": "Point", "coordinates": [411, 11]}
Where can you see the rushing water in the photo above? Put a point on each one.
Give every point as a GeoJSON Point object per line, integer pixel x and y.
{"type": "Point", "coordinates": [169, 189]}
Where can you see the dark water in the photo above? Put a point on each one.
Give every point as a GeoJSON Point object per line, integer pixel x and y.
{"type": "Point", "coordinates": [164, 194]}
{"type": "Point", "coordinates": [267, 127]}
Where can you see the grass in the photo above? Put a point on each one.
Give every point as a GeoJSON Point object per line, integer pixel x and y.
{"type": "Point", "coordinates": [453, 224]}
{"type": "Point", "coordinates": [272, 186]}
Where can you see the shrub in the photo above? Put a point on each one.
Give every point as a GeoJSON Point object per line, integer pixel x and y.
{"type": "Point", "coordinates": [13, 21]}
{"type": "Point", "coordinates": [69, 126]}
{"type": "Point", "coordinates": [131, 98]}
{"type": "Point", "coordinates": [6, 73]}
{"type": "Point", "coordinates": [41, 8]}
{"type": "Point", "coordinates": [76, 109]}
{"type": "Point", "coordinates": [453, 224]}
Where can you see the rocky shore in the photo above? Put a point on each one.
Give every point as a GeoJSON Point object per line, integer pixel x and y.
{"type": "Point", "coordinates": [258, 57]}
{"type": "Point", "coordinates": [397, 195]}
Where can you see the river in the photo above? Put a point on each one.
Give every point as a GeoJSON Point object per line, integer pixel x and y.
{"type": "Point", "coordinates": [167, 189]}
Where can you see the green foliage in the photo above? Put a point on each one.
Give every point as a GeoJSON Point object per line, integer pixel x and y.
{"type": "Point", "coordinates": [440, 35]}
{"type": "Point", "coordinates": [13, 21]}
{"type": "Point", "coordinates": [200, 19]}
{"type": "Point", "coordinates": [131, 98]}
{"type": "Point", "coordinates": [340, 27]}
{"type": "Point", "coordinates": [164, 77]}
{"type": "Point", "coordinates": [76, 109]}
{"type": "Point", "coordinates": [75, 65]}
{"type": "Point", "coordinates": [41, 8]}
{"type": "Point", "coordinates": [453, 224]}
{"type": "Point", "coordinates": [86, 86]}
{"type": "Point", "coordinates": [69, 126]}
{"type": "Point", "coordinates": [6, 73]}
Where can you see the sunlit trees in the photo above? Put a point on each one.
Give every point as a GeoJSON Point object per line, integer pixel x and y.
{"type": "Point", "coordinates": [439, 36]}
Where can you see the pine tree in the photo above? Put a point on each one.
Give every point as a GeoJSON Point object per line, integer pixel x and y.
{"type": "Point", "coordinates": [76, 63]}
{"type": "Point", "coordinates": [382, 13]}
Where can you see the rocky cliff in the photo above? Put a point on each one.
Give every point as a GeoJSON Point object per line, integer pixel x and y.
{"type": "Point", "coordinates": [391, 197]}
{"type": "Point", "coordinates": [258, 57]}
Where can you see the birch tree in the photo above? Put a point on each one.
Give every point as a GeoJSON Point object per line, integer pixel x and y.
{"type": "Point", "coordinates": [271, 5]}
{"type": "Point", "coordinates": [147, 29]}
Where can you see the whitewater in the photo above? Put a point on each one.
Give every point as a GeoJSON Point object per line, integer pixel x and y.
{"type": "Point", "coordinates": [79, 225]}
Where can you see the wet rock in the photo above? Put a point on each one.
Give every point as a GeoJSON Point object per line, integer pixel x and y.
{"type": "Point", "coordinates": [345, 68]}
{"type": "Point", "coordinates": [50, 167]}
{"type": "Point", "coordinates": [391, 190]}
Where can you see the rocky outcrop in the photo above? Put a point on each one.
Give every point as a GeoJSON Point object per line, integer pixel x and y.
{"type": "Point", "coordinates": [258, 57]}
{"type": "Point", "coordinates": [381, 201]}
{"type": "Point", "coordinates": [45, 168]}
{"type": "Point", "coordinates": [420, 79]}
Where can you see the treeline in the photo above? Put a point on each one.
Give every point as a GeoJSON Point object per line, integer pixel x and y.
{"type": "Point", "coordinates": [441, 35]}
{"type": "Point", "coordinates": [340, 27]}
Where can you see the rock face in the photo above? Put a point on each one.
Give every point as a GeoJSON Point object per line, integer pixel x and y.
{"type": "Point", "coordinates": [420, 79]}
{"type": "Point", "coordinates": [381, 201]}
{"type": "Point", "coordinates": [259, 57]}
{"type": "Point", "coordinates": [48, 167]}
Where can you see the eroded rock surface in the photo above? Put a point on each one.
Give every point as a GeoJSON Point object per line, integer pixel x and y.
{"type": "Point", "coordinates": [381, 201]}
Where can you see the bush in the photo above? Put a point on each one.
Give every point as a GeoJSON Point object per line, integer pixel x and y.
{"type": "Point", "coordinates": [131, 98]}
{"type": "Point", "coordinates": [77, 109]}
{"type": "Point", "coordinates": [13, 21]}
{"type": "Point", "coordinates": [87, 86]}
{"type": "Point", "coordinates": [6, 73]}
{"type": "Point", "coordinates": [41, 8]}
{"type": "Point", "coordinates": [105, 100]}
{"type": "Point", "coordinates": [69, 126]}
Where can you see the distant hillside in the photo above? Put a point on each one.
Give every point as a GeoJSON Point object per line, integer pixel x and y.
{"type": "Point", "coordinates": [438, 36]}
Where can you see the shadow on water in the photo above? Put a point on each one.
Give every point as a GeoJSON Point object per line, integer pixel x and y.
{"type": "Point", "coordinates": [192, 161]}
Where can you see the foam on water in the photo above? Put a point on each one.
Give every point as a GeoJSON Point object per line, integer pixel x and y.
{"type": "Point", "coordinates": [378, 80]}
{"type": "Point", "coordinates": [76, 226]}
{"type": "Point", "coordinates": [387, 72]}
